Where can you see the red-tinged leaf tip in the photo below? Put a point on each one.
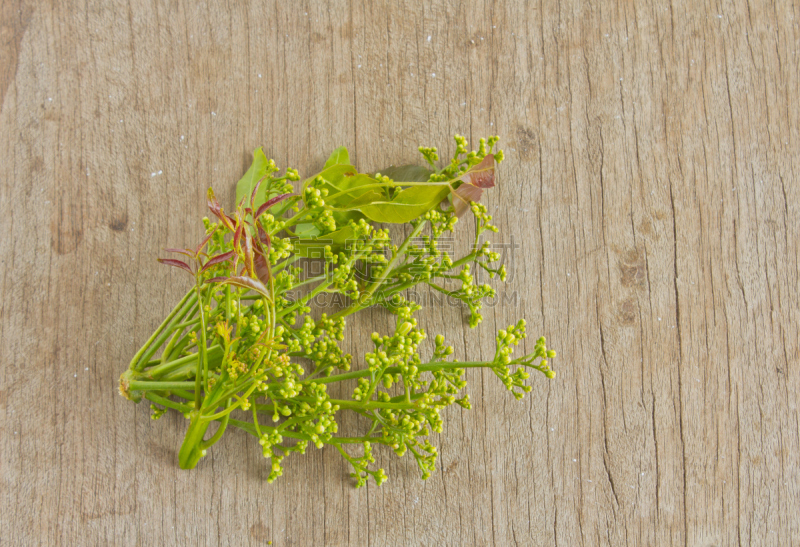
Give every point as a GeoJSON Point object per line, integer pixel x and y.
{"type": "Point", "coordinates": [270, 202]}
{"type": "Point", "coordinates": [176, 264]}
{"type": "Point", "coordinates": [481, 175]}
{"type": "Point", "coordinates": [216, 210]}
{"type": "Point", "coordinates": [217, 279]}
{"type": "Point", "coordinates": [203, 243]}
{"type": "Point", "coordinates": [253, 194]}
{"type": "Point", "coordinates": [262, 268]}
{"type": "Point", "coordinates": [186, 252]}
{"type": "Point", "coordinates": [213, 204]}
{"type": "Point", "coordinates": [237, 236]}
{"type": "Point", "coordinates": [248, 283]}
{"type": "Point", "coordinates": [249, 255]}
{"type": "Point", "coordinates": [218, 259]}
{"type": "Point", "coordinates": [463, 195]}
{"type": "Point", "coordinates": [263, 236]}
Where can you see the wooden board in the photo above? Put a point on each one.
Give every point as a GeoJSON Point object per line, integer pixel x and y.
{"type": "Point", "coordinates": [650, 185]}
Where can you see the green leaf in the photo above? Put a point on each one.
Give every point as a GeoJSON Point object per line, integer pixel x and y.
{"type": "Point", "coordinates": [257, 171]}
{"type": "Point", "coordinates": [407, 205]}
{"type": "Point", "coordinates": [407, 173]}
{"type": "Point", "coordinates": [314, 247]}
{"type": "Point", "coordinates": [340, 177]}
{"type": "Point", "coordinates": [344, 177]}
{"type": "Point", "coordinates": [306, 230]}
{"type": "Point", "coordinates": [373, 203]}
{"type": "Point", "coordinates": [338, 157]}
{"type": "Point", "coordinates": [248, 283]}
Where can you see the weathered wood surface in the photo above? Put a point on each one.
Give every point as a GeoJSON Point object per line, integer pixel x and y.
{"type": "Point", "coordinates": [651, 182]}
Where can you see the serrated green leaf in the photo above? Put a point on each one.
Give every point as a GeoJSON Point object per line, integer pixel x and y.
{"type": "Point", "coordinates": [339, 156]}
{"type": "Point", "coordinates": [257, 171]}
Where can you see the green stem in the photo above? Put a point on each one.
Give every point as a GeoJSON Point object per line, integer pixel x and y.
{"type": "Point", "coordinates": [167, 321]}
{"type": "Point", "coordinates": [352, 405]}
{"type": "Point", "coordinates": [463, 260]}
{"type": "Point", "coordinates": [280, 266]}
{"type": "Point", "coordinates": [147, 385]}
{"type": "Point", "coordinates": [185, 324]}
{"type": "Point", "coordinates": [202, 362]}
{"type": "Point", "coordinates": [255, 417]}
{"type": "Point", "coordinates": [218, 435]}
{"type": "Point", "coordinates": [355, 440]}
{"type": "Point", "coordinates": [159, 370]}
{"type": "Point", "coordinates": [296, 218]}
{"type": "Point", "coordinates": [394, 370]}
{"type": "Point", "coordinates": [302, 302]}
{"type": "Point", "coordinates": [191, 451]}
{"type": "Point", "coordinates": [355, 306]}
{"type": "Point", "coordinates": [163, 401]}
{"type": "Point", "coordinates": [168, 331]}
{"type": "Point", "coordinates": [227, 303]}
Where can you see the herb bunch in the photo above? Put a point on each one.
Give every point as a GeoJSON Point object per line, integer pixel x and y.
{"type": "Point", "coordinates": [242, 348]}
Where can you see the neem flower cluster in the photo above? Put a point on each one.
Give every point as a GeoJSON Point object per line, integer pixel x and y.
{"type": "Point", "coordinates": [243, 349]}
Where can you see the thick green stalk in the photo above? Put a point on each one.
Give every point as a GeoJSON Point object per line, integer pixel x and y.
{"type": "Point", "coordinates": [167, 321]}
{"type": "Point", "coordinates": [168, 331]}
{"type": "Point", "coordinates": [218, 435]}
{"type": "Point", "coordinates": [160, 370]}
{"type": "Point", "coordinates": [302, 302]}
{"type": "Point", "coordinates": [163, 401]}
{"type": "Point", "coordinates": [191, 450]}
{"type": "Point", "coordinates": [148, 385]}
{"type": "Point", "coordinates": [202, 362]}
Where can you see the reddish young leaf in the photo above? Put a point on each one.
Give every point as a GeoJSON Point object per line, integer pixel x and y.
{"type": "Point", "coordinates": [262, 268]}
{"type": "Point", "coordinates": [176, 264]}
{"type": "Point", "coordinates": [219, 259]}
{"type": "Point", "coordinates": [481, 175]}
{"type": "Point", "coordinates": [203, 243]}
{"type": "Point", "coordinates": [474, 181]}
{"type": "Point", "coordinates": [253, 195]}
{"type": "Point", "coordinates": [248, 283]}
{"type": "Point", "coordinates": [216, 210]}
{"type": "Point", "coordinates": [249, 255]}
{"type": "Point", "coordinates": [261, 262]}
{"type": "Point", "coordinates": [237, 238]}
{"type": "Point", "coordinates": [237, 235]}
{"type": "Point", "coordinates": [186, 252]}
{"type": "Point", "coordinates": [463, 195]}
{"type": "Point", "coordinates": [213, 204]}
{"type": "Point", "coordinates": [264, 238]}
{"type": "Point", "coordinates": [217, 279]}
{"type": "Point", "coordinates": [272, 202]}
{"type": "Point", "coordinates": [240, 205]}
